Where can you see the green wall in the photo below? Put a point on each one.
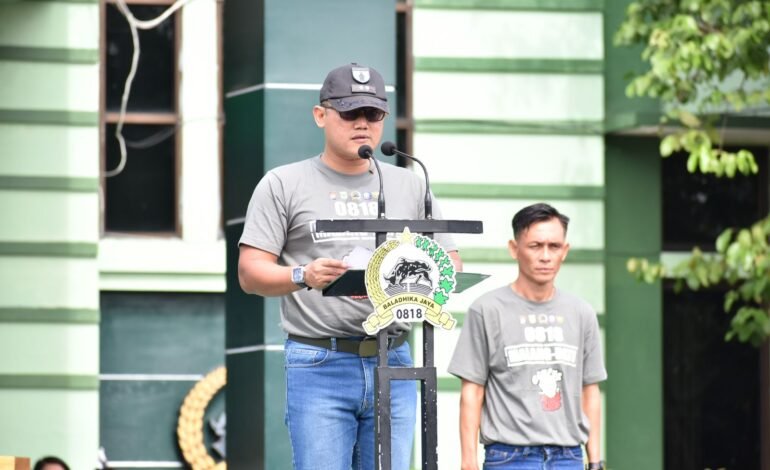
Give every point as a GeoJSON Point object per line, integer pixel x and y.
{"type": "Point", "coordinates": [634, 411]}
{"type": "Point", "coordinates": [622, 112]}
{"type": "Point", "coordinates": [276, 55]}
{"type": "Point", "coordinates": [154, 348]}
{"type": "Point", "coordinates": [49, 305]}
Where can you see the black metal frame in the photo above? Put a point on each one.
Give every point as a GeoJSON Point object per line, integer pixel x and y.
{"type": "Point", "coordinates": [384, 374]}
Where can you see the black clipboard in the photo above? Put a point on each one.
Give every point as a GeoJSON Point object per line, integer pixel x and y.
{"type": "Point", "coordinates": [351, 282]}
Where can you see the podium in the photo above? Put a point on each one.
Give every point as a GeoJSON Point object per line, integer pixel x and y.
{"type": "Point", "coordinates": [352, 283]}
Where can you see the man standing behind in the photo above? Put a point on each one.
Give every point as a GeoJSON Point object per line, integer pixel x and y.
{"type": "Point", "coordinates": [530, 360]}
{"type": "Point", "coordinates": [329, 360]}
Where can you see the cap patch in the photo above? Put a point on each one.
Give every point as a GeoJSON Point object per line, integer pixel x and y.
{"type": "Point", "coordinates": [363, 89]}
{"type": "Point", "coordinates": [360, 74]}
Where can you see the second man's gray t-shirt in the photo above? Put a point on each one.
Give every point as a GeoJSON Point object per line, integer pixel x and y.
{"type": "Point", "coordinates": [533, 359]}
{"type": "Point", "coordinates": [281, 220]}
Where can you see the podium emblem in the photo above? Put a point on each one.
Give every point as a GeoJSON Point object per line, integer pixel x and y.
{"type": "Point", "coordinates": [409, 280]}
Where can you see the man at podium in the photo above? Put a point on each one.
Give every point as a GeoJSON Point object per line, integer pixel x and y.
{"type": "Point", "coordinates": [329, 360]}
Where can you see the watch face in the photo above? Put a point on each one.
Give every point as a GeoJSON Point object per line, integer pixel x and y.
{"type": "Point", "coordinates": [298, 275]}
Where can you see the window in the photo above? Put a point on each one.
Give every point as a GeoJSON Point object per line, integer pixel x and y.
{"type": "Point", "coordinates": [142, 198]}
{"type": "Point", "coordinates": [698, 207]}
{"type": "Point", "coordinates": [711, 387]}
{"type": "Point", "coordinates": [712, 406]}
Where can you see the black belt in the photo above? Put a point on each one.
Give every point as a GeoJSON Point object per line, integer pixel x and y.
{"type": "Point", "coordinates": [366, 347]}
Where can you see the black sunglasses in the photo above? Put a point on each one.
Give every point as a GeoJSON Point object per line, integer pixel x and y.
{"type": "Point", "coordinates": [371, 114]}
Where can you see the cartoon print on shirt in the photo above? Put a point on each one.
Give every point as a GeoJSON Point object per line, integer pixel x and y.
{"type": "Point", "coordinates": [550, 392]}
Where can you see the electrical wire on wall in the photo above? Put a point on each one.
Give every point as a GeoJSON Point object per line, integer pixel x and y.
{"type": "Point", "coordinates": [135, 25]}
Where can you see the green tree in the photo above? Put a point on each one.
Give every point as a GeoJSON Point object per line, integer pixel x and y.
{"type": "Point", "coordinates": [709, 60]}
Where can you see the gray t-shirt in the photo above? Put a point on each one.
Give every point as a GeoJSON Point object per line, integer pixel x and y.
{"type": "Point", "coordinates": [281, 220]}
{"type": "Point", "coordinates": [533, 359]}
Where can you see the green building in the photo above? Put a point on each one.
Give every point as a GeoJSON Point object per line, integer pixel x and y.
{"type": "Point", "coordinates": [119, 293]}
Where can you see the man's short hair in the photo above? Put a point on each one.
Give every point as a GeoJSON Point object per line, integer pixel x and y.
{"type": "Point", "coordinates": [535, 213]}
{"type": "Point", "coordinates": [52, 460]}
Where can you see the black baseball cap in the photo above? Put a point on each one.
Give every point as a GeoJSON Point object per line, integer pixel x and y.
{"type": "Point", "coordinates": [354, 86]}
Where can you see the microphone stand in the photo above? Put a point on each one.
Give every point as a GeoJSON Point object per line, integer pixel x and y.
{"type": "Point", "coordinates": [367, 153]}
{"type": "Point", "coordinates": [389, 148]}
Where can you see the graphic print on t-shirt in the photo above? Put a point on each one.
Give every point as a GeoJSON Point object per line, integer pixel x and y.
{"type": "Point", "coordinates": [544, 344]}
{"type": "Point", "coordinates": [550, 392]}
{"type": "Point", "coordinates": [354, 204]}
{"type": "Point", "coordinates": [348, 204]}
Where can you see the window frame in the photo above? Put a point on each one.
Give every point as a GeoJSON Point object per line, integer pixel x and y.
{"type": "Point", "coordinates": [106, 118]}
{"type": "Point", "coordinates": [405, 119]}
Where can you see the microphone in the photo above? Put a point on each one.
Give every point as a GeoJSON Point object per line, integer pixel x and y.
{"type": "Point", "coordinates": [367, 153]}
{"type": "Point", "coordinates": [389, 148]}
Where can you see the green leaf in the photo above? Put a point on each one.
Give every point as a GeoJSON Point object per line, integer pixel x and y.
{"type": "Point", "coordinates": [705, 159]}
{"type": "Point", "coordinates": [758, 235]}
{"type": "Point", "coordinates": [701, 272]}
{"type": "Point", "coordinates": [692, 281]}
{"type": "Point", "coordinates": [692, 162]}
{"type": "Point", "coordinates": [748, 262]}
{"type": "Point", "coordinates": [716, 271]}
{"type": "Point", "coordinates": [712, 41]}
{"type": "Point", "coordinates": [760, 285]}
{"type": "Point", "coordinates": [669, 145]}
{"type": "Point", "coordinates": [723, 240]}
{"type": "Point", "coordinates": [730, 299]}
{"type": "Point", "coordinates": [733, 252]}
{"type": "Point", "coordinates": [730, 166]}
{"type": "Point", "coordinates": [689, 119]}
{"type": "Point", "coordinates": [744, 238]}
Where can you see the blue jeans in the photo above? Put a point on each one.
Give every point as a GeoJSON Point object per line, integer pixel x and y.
{"type": "Point", "coordinates": [505, 457]}
{"type": "Point", "coordinates": [330, 408]}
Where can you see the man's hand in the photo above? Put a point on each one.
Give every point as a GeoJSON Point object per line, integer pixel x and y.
{"type": "Point", "coordinates": [322, 271]}
{"type": "Point", "coordinates": [469, 466]}
{"type": "Point", "coordinates": [592, 407]}
{"type": "Point", "coordinates": [471, 400]}
{"type": "Point", "coordinates": [259, 273]}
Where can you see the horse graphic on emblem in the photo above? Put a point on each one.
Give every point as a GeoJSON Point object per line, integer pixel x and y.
{"type": "Point", "coordinates": [406, 269]}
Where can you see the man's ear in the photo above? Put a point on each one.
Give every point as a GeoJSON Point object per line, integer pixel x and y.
{"type": "Point", "coordinates": [566, 250]}
{"type": "Point", "coordinates": [319, 116]}
{"type": "Point", "coordinates": [513, 247]}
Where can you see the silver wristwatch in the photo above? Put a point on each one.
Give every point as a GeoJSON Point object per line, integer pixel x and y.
{"type": "Point", "coordinates": [298, 276]}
